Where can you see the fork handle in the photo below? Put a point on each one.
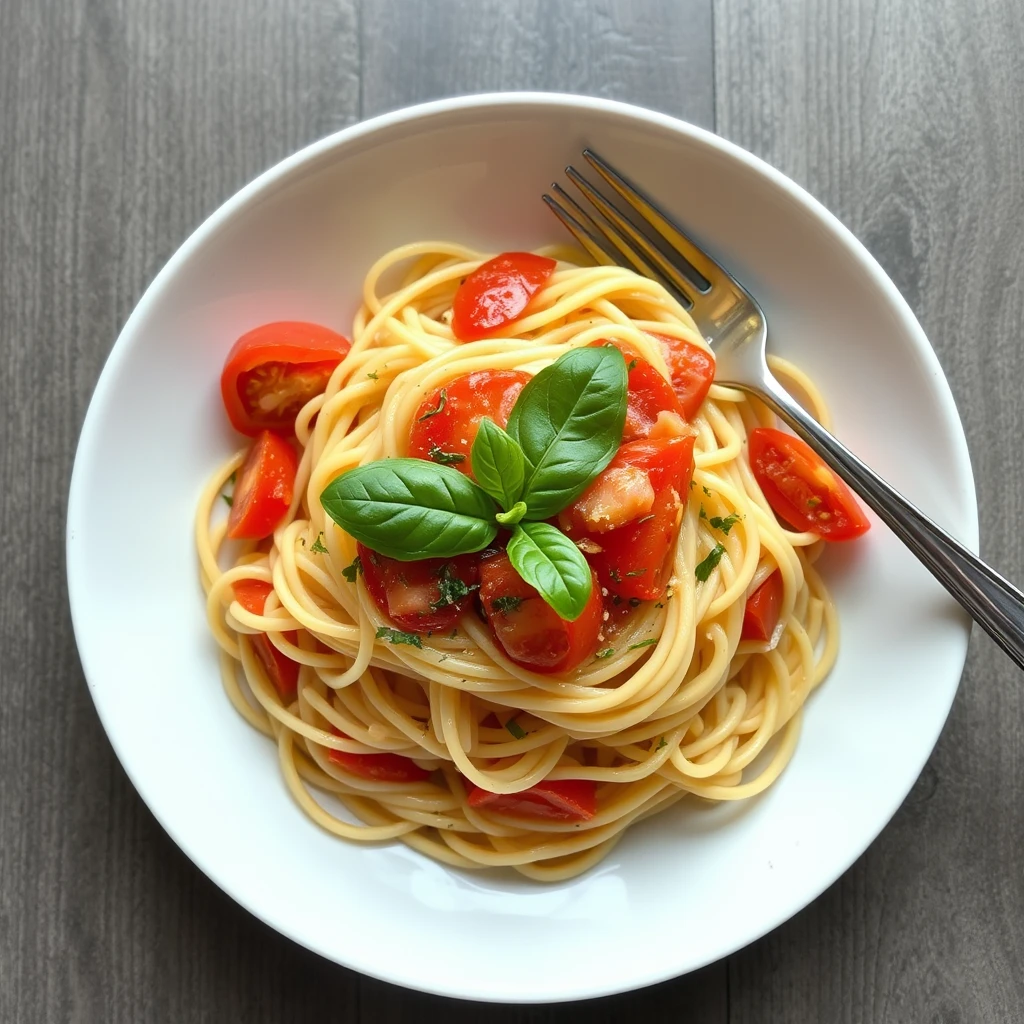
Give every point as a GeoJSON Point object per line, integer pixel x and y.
{"type": "Point", "coordinates": [989, 599]}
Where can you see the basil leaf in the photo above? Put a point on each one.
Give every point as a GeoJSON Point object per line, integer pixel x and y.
{"type": "Point", "coordinates": [568, 421]}
{"type": "Point", "coordinates": [409, 509]}
{"type": "Point", "coordinates": [549, 561]}
{"type": "Point", "coordinates": [498, 463]}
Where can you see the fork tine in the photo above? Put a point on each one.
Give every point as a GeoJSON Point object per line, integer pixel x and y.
{"type": "Point", "coordinates": [658, 219]}
{"type": "Point", "coordinates": [653, 258]}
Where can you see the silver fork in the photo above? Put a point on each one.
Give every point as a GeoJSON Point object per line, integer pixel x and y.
{"type": "Point", "coordinates": [627, 228]}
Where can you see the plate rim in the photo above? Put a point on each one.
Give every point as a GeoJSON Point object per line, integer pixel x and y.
{"type": "Point", "coordinates": [422, 112]}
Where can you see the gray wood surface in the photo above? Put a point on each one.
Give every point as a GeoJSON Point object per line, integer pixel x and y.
{"type": "Point", "coordinates": [124, 122]}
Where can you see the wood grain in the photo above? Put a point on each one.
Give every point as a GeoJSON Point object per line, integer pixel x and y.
{"type": "Point", "coordinates": [124, 122]}
{"type": "Point", "coordinates": [905, 119]}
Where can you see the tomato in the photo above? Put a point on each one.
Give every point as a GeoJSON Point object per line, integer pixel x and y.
{"type": "Point", "coordinates": [801, 489]}
{"type": "Point", "coordinates": [281, 670]}
{"type": "Point", "coordinates": [629, 516]}
{"type": "Point", "coordinates": [692, 370]}
{"type": "Point", "coordinates": [497, 293]}
{"type": "Point", "coordinates": [527, 628]}
{"type": "Point", "coordinates": [447, 421]}
{"type": "Point", "coordinates": [648, 395]}
{"type": "Point", "coordinates": [407, 592]}
{"type": "Point", "coordinates": [761, 615]}
{"type": "Point", "coordinates": [379, 767]}
{"type": "Point", "coordinates": [274, 370]}
{"type": "Point", "coordinates": [263, 489]}
{"type": "Point", "coordinates": [561, 800]}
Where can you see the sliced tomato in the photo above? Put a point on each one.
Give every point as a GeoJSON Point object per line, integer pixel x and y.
{"type": "Point", "coordinates": [497, 293]}
{"type": "Point", "coordinates": [561, 800]}
{"type": "Point", "coordinates": [281, 670]}
{"type": "Point", "coordinates": [801, 489]}
{"type": "Point", "coordinates": [386, 767]}
{"type": "Point", "coordinates": [692, 370]}
{"type": "Point", "coordinates": [273, 371]}
{"type": "Point", "coordinates": [648, 398]}
{"type": "Point", "coordinates": [628, 518]}
{"type": "Point", "coordinates": [447, 421]}
{"type": "Point", "coordinates": [761, 615]}
{"type": "Point", "coordinates": [264, 488]}
{"type": "Point", "coordinates": [418, 596]}
{"type": "Point", "coordinates": [527, 628]}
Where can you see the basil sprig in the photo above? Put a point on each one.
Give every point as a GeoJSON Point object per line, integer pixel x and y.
{"type": "Point", "coordinates": [564, 429]}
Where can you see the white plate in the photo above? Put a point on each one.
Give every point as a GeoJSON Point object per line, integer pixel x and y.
{"type": "Point", "coordinates": [679, 891]}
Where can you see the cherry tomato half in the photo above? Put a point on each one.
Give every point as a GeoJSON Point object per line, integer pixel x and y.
{"type": "Point", "coordinates": [410, 594]}
{"type": "Point", "coordinates": [560, 800]}
{"type": "Point", "coordinates": [281, 670]}
{"type": "Point", "coordinates": [447, 421]}
{"type": "Point", "coordinates": [648, 395]}
{"type": "Point", "coordinates": [263, 489]}
{"type": "Point", "coordinates": [272, 371]}
{"type": "Point", "coordinates": [387, 767]}
{"type": "Point", "coordinates": [761, 615]}
{"type": "Point", "coordinates": [641, 494]}
{"type": "Point", "coordinates": [527, 628]}
{"type": "Point", "coordinates": [801, 489]}
{"type": "Point", "coordinates": [497, 293]}
{"type": "Point", "coordinates": [692, 370]}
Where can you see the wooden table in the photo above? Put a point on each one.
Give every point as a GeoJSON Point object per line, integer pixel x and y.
{"type": "Point", "coordinates": [123, 123]}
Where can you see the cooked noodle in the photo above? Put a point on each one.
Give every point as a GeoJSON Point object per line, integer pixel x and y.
{"type": "Point", "coordinates": [688, 714]}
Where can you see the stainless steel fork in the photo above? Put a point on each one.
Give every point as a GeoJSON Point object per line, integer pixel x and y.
{"type": "Point", "coordinates": [627, 228]}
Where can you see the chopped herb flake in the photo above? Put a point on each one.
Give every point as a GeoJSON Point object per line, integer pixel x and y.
{"type": "Point", "coordinates": [631, 366]}
{"type": "Point", "coordinates": [373, 375]}
{"type": "Point", "coordinates": [707, 567]}
{"type": "Point", "coordinates": [506, 604]}
{"type": "Point", "coordinates": [606, 653]}
{"type": "Point", "coordinates": [516, 729]}
{"type": "Point", "coordinates": [396, 636]}
{"type": "Point", "coordinates": [661, 743]}
{"type": "Point", "coordinates": [228, 499]}
{"type": "Point", "coordinates": [318, 547]}
{"type": "Point", "coordinates": [813, 502]}
{"type": "Point", "coordinates": [642, 643]}
{"type": "Point", "coordinates": [659, 605]}
{"type": "Point", "coordinates": [440, 405]}
{"type": "Point", "coordinates": [613, 574]}
{"type": "Point", "coordinates": [445, 458]}
{"type": "Point", "coordinates": [451, 588]}
{"type": "Point", "coordinates": [705, 490]}
{"type": "Point", "coordinates": [352, 571]}
{"type": "Point", "coordinates": [725, 524]}
{"type": "Point", "coordinates": [453, 635]}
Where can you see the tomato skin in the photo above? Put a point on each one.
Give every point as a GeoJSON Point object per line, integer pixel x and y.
{"type": "Point", "coordinates": [692, 370]}
{"type": "Point", "coordinates": [801, 489]}
{"type": "Point", "coordinates": [648, 393]}
{"type": "Point", "coordinates": [761, 615]}
{"type": "Point", "coordinates": [387, 767]}
{"type": "Point", "coordinates": [264, 488]}
{"type": "Point", "coordinates": [281, 670]}
{"type": "Point", "coordinates": [273, 370]}
{"type": "Point", "coordinates": [633, 558]}
{"type": "Point", "coordinates": [404, 591]}
{"type": "Point", "coordinates": [497, 293]}
{"type": "Point", "coordinates": [532, 634]}
{"type": "Point", "coordinates": [467, 400]}
{"type": "Point", "coordinates": [558, 800]}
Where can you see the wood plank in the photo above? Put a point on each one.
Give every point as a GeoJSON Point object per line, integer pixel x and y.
{"type": "Point", "coordinates": [121, 126]}
{"type": "Point", "coordinates": [905, 119]}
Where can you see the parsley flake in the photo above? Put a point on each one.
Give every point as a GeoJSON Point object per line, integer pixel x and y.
{"type": "Point", "coordinates": [352, 571]}
{"type": "Point", "coordinates": [506, 604]}
{"type": "Point", "coordinates": [642, 643]}
{"type": "Point", "coordinates": [396, 636]}
{"type": "Point", "coordinates": [318, 547]}
{"type": "Point", "coordinates": [703, 514]}
{"type": "Point", "coordinates": [445, 458]}
{"type": "Point", "coordinates": [606, 653]}
{"type": "Point", "coordinates": [451, 588]}
{"type": "Point", "coordinates": [661, 743]}
{"type": "Point", "coordinates": [707, 567]}
{"type": "Point", "coordinates": [373, 375]}
{"type": "Point", "coordinates": [443, 401]}
{"type": "Point", "coordinates": [516, 729]}
{"type": "Point", "coordinates": [725, 524]}
{"type": "Point", "coordinates": [631, 366]}
{"type": "Point", "coordinates": [705, 490]}
{"type": "Point", "coordinates": [230, 501]}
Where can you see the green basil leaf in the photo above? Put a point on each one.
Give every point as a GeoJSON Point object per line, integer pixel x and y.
{"type": "Point", "coordinates": [568, 421]}
{"type": "Point", "coordinates": [409, 509]}
{"type": "Point", "coordinates": [549, 561]}
{"type": "Point", "coordinates": [498, 463]}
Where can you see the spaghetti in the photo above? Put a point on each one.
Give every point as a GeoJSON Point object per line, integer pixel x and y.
{"type": "Point", "coordinates": [674, 702]}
